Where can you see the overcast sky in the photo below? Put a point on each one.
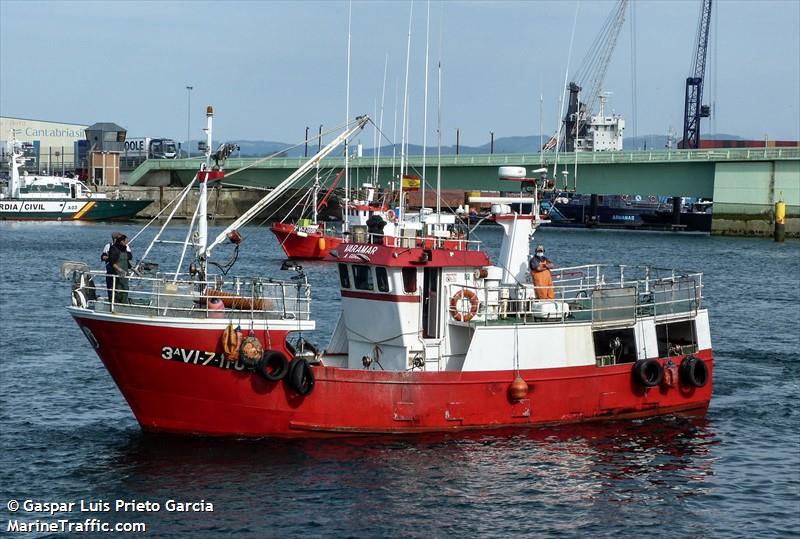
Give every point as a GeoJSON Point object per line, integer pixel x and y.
{"type": "Point", "coordinates": [272, 68]}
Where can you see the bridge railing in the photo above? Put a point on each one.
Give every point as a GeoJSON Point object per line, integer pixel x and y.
{"type": "Point", "coordinates": [715, 154]}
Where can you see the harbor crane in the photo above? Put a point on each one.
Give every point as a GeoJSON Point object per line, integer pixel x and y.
{"type": "Point", "coordinates": [693, 110]}
{"type": "Point", "coordinates": [587, 82]}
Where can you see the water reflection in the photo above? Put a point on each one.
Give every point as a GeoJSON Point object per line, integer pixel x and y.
{"type": "Point", "coordinates": [593, 470]}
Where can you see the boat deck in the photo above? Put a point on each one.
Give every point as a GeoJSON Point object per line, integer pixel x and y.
{"type": "Point", "coordinates": [597, 294]}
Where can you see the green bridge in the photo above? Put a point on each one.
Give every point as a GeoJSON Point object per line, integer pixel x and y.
{"type": "Point", "coordinates": [744, 183]}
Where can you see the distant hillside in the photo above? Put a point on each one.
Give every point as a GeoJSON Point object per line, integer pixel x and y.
{"type": "Point", "coordinates": [512, 145]}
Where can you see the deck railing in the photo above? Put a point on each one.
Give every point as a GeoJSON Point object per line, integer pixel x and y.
{"type": "Point", "coordinates": [451, 243]}
{"type": "Point", "coordinates": [604, 295]}
{"type": "Point", "coordinates": [184, 296]}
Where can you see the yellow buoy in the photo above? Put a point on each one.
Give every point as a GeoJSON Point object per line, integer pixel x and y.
{"type": "Point", "coordinates": [321, 243]}
{"type": "Point", "coordinates": [780, 221]}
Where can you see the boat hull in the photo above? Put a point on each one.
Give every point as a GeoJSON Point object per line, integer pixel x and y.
{"type": "Point", "coordinates": [30, 209]}
{"type": "Point", "coordinates": [306, 246]}
{"type": "Point", "coordinates": [173, 382]}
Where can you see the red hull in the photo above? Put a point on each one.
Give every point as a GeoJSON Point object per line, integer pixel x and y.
{"type": "Point", "coordinates": [176, 395]}
{"type": "Point", "coordinates": [308, 247]}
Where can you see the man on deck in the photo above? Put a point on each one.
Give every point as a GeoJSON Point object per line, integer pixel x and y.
{"type": "Point", "coordinates": [540, 267]}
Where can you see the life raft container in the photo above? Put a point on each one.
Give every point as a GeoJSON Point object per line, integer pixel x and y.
{"type": "Point", "coordinates": [648, 372]}
{"type": "Point", "coordinates": [274, 366]}
{"type": "Point", "coordinates": [300, 377]}
{"type": "Point", "coordinates": [460, 315]}
{"type": "Point", "coordinates": [694, 371]}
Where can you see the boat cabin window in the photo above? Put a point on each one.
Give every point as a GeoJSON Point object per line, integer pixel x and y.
{"type": "Point", "coordinates": [382, 278]}
{"type": "Point", "coordinates": [344, 276]}
{"type": "Point", "coordinates": [362, 277]}
{"type": "Point", "coordinates": [615, 346]}
{"type": "Point", "coordinates": [409, 280]}
{"type": "Point", "coordinates": [676, 338]}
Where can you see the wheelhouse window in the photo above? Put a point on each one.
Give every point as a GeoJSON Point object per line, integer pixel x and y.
{"type": "Point", "coordinates": [362, 277]}
{"type": "Point", "coordinates": [409, 280]}
{"type": "Point", "coordinates": [382, 278]}
{"type": "Point", "coordinates": [344, 276]}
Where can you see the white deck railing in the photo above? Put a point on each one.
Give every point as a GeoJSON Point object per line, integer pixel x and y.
{"type": "Point", "coordinates": [606, 295]}
{"type": "Point", "coordinates": [185, 297]}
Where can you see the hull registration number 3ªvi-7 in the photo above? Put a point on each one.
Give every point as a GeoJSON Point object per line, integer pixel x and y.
{"type": "Point", "coordinates": [199, 357]}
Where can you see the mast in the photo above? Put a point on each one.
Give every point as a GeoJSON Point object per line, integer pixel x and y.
{"type": "Point", "coordinates": [541, 129]}
{"type": "Point", "coordinates": [439, 125]}
{"type": "Point", "coordinates": [394, 128]}
{"type": "Point", "coordinates": [380, 121]}
{"type": "Point", "coordinates": [345, 222]}
{"type": "Point", "coordinates": [15, 153]}
{"type": "Point", "coordinates": [405, 115]}
{"type": "Point", "coordinates": [439, 147]}
{"type": "Point", "coordinates": [425, 110]}
{"type": "Point", "coordinates": [575, 143]}
{"type": "Point", "coordinates": [316, 193]}
{"type": "Point", "coordinates": [202, 213]}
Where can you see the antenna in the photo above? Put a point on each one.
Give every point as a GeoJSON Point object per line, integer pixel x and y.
{"type": "Point", "coordinates": [439, 146]}
{"type": "Point", "coordinates": [404, 140]}
{"type": "Point", "coordinates": [380, 122]}
{"type": "Point", "coordinates": [345, 225]}
{"type": "Point", "coordinates": [425, 109]}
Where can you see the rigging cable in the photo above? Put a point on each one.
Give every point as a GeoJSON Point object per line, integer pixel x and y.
{"type": "Point", "coordinates": [634, 81]}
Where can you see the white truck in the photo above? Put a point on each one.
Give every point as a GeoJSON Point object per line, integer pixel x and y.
{"type": "Point", "coordinates": [150, 148]}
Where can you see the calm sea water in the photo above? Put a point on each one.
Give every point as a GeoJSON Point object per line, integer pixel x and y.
{"type": "Point", "coordinates": [68, 435]}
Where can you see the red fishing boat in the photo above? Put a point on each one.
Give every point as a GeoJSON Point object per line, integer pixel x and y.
{"type": "Point", "coordinates": [312, 239]}
{"type": "Point", "coordinates": [305, 241]}
{"type": "Point", "coordinates": [430, 338]}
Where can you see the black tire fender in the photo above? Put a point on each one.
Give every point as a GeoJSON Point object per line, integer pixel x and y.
{"type": "Point", "coordinates": [694, 372]}
{"type": "Point", "coordinates": [301, 378]}
{"type": "Point", "coordinates": [274, 366]}
{"type": "Point", "coordinates": [648, 372]}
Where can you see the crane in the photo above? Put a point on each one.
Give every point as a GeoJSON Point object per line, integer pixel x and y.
{"type": "Point", "coordinates": [590, 76]}
{"type": "Point", "coordinates": [693, 110]}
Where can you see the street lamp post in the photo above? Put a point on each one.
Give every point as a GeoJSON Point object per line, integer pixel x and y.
{"type": "Point", "coordinates": [189, 120]}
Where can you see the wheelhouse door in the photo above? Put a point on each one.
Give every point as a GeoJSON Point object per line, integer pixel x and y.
{"type": "Point", "coordinates": [431, 283]}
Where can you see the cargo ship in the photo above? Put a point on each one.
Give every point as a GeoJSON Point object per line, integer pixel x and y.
{"type": "Point", "coordinates": [631, 212]}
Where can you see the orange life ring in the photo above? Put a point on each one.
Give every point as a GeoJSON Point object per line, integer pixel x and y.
{"type": "Point", "coordinates": [461, 316]}
{"type": "Point", "coordinates": [390, 215]}
{"type": "Point", "coordinates": [652, 198]}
